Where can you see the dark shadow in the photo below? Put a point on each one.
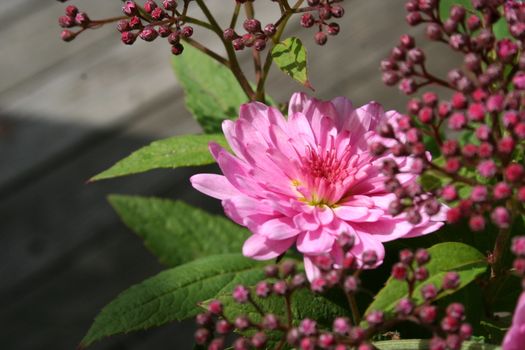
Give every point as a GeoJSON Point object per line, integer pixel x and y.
{"type": "Point", "coordinates": [64, 253]}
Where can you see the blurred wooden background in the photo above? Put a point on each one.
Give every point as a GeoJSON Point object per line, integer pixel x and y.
{"type": "Point", "coordinates": [68, 111]}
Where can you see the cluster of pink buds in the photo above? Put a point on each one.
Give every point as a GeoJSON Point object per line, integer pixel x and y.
{"type": "Point", "coordinates": [147, 23]}
{"type": "Point", "coordinates": [451, 330]}
{"type": "Point", "coordinates": [319, 13]}
{"type": "Point", "coordinates": [73, 18]}
{"type": "Point", "coordinates": [255, 35]}
{"type": "Point", "coordinates": [480, 129]}
{"type": "Point", "coordinates": [216, 323]}
{"type": "Point", "coordinates": [518, 248]}
{"type": "Point", "coordinates": [166, 19]}
{"type": "Point", "coordinates": [153, 21]}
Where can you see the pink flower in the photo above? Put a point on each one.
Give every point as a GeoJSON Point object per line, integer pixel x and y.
{"type": "Point", "coordinates": [515, 337]}
{"type": "Point", "coordinates": [308, 178]}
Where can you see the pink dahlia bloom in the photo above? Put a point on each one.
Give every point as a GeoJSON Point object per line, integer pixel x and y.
{"type": "Point", "coordinates": [515, 337]}
{"type": "Point", "coordinates": [307, 179]}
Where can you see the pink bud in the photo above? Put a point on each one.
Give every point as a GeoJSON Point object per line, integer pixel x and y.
{"type": "Point", "coordinates": [506, 49]}
{"type": "Point", "coordinates": [479, 193]}
{"type": "Point", "coordinates": [449, 324]}
{"type": "Point", "coordinates": [487, 168]}
{"type": "Point", "coordinates": [453, 215]}
{"type": "Point", "coordinates": [485, 150]}
{"type": "Point", "coordinates": [502, 190]}
{"type": "Point", "coordinates": [495, 103]}
{"type": "Point", "coordinates": [449, 193]}
{"type": "Point", "coordinates": [518, 245]}
{"type": "Point", "coordinates": [501, 217]}
{"type": "Point", "coordinates": [476, 112]}
{"type": "Point", "coordinates": [341, 325]}
{"type": "Point", "coordinates": [506, 145]}
{"type": "Point", "coordinates": [404, 307]}
{"type": "Point", "coordinates": [459, 101]}
{"type": "Point", "coordinates": [308, 327]}
{"type": "Point", "coordinates": [451, 280]}
{"type": "Point", "coordinates": [477, 223]}
{"type": "Point", "coordinates": [519, 81]}
{"type": "Point", "coordinates": [241, 294]}
{"type": "Point", "coordinates": [399, 271]}
{"type": "Point", "coordinates": [457, 121]}
{"type": "Point", "coordinates": [483, 132]}
{"type": "Point", "coordinates": [514, 172]}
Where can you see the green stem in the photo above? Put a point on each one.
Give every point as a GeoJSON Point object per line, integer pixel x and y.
{"type": "Point", "coordinates": [232, 58]}
{"type": "Point", "coordinates": [235, 15]}
{"type": "Point", "coordinates": [281, 24]}
{"type": "Point", "coordinates": [250, 13]}
{"type": "Point", "coordinates": [356, 316]}
{"type": "Point", "coordinates": [208, 52]}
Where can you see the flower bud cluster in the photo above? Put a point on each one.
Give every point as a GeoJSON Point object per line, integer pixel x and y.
{"type": "Point", "coordinates": [319, 14]}
{"type": "Point", "coordinates": [518, 248]}
{"type": "Point", "coordinates": [217, 323]}
{"type": "Point", "coordinates": [147, 22]}
{"type": "Point", "coordinates": [451, 330]}
{"type": "Point", "coordinates": [255, 36]}
{"type": "Point", "coordinates": [480, 129]}
{"type": "Point", "coordinates": [169, 19]}
{"type": "Point", "coordinates": [152, 21]}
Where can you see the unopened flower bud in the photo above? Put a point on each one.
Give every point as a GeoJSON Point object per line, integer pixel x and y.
{"type": "Point", "coordinates": [399, 271]}
{"type": "Point", "coordinates": [201, 336]}
{"type": "Point", "coordinates": [307, 20]}
{"type": "Point", "coordinates": [270, 29]}
{"type": "Point", "coordinates": [421, 273]}
{"type": "Point", "coordinates": [427, 313]}
{"type": "Point", "coordinates": [259, 340]}
{"type": "Point", "coordinates": [128, 38]}
{"type": "Point", "coordinates": [422, 256]}
{"type": "Point", "coordinates": [451, 280]}
{"type": "Point", "coordinates": [501, 217]}
{"type": "Point", "coordinates": [477, 223]}
{"type": "Point", "coordinates": [320, 38]}
{"type": "Point", "coordinates": [67, 35]}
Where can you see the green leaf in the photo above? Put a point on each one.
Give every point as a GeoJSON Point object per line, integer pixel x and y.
{"type": "Point", "coordinates": [431, 181]}
{"type": "Point", "coordinates": [501, 29]}
{"type": "Point", "coordinates": [176, 232]}
{"type": "Point", "coordinates": [290, 57]}
{"type": "Point", "coordinates": [174, 152]}
{"type": "Point", "coordinates": [451, 256]}
{"type": "Point", "coordinates": [173, 295]}
{"type": "Point", "coordinates": [212, 92]}
{"type": "Point", "coordinates": [422, 344]}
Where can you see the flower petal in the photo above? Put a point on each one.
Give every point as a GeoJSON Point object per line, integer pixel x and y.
{"type": "Point", "coordinates": [216, 186]}
{"type": "Point", "coordinates": [279, 228]}
{"type": "Point", "coordinates": [260, 248]}
{"type": "Point", "coordinates": [315, 242]}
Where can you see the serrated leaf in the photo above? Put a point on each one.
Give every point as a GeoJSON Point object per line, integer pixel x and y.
{"type": "Point", "coordinates": [173, 295]}
{"type": "Point", "coordinates": [176, 232]}
{"type": "Point", "coordinates": [422, 344]}
{"type": "Point", "coordinates": [467, 261]}
{"type": "Point", "coordinates": [291, 57]}
{"type": "Point", "coordinates": [212, 93]}
{"type": "Point", "coordinates": [170, 153]}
